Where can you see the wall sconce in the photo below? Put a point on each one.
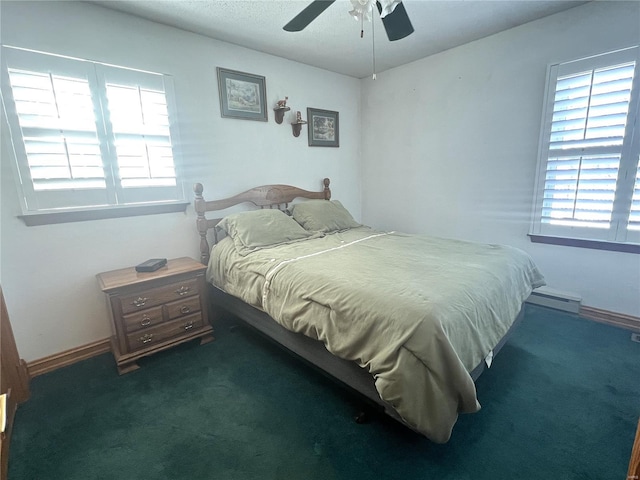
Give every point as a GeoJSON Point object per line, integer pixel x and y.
{"type": "Point", "coordinates": [297, 125]}
{"type": "Point", "coordinates": [280, 109]}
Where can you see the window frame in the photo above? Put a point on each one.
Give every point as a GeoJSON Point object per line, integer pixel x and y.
{"type": "Point", "coordinates": [617, 237]}
{"type": "Point", "coordinates": [115, 204]}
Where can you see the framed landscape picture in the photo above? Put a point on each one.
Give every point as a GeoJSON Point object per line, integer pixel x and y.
{"type": "Point", "coordinates": [323, 128]}
{"type": "Point", "coordinates": [242, 95]}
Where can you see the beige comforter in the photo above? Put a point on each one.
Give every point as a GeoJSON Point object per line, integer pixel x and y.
{"type": "Point", "coordinates": [418, 312]}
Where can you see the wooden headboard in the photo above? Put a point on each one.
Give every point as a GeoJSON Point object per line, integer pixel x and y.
{"type": "Point", "coordinates": [266, 196]}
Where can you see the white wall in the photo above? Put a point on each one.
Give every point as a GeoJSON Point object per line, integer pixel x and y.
{"type": "Point", "coordinates": [48, 272]}
{"type": "Point", "coordinates": [449, 145]}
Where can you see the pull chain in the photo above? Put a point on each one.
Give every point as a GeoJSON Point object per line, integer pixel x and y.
{"type": "Point", "coordinates": [373, 47]}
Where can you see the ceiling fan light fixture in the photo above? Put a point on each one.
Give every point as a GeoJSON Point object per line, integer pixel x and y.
{"type": "Point", "coordinates": [397, 26]}
{"type": "Point", "coordinates": [362, 8]}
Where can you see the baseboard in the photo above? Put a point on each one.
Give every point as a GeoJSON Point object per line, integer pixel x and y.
{"type": "Point", "coordinates": [620, 320]}
{"type": "Point", "coordinates": [68, 357]}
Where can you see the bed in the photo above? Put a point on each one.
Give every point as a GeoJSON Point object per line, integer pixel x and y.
{"type": "Point", "coordinates": [408, 321]}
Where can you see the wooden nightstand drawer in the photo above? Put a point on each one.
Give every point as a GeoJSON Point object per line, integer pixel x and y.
{"type": "Point", "coordinates": [144, 319]}
{"type": "Point", "coordinates": [158, 296]}
{"type": "Point", "coordinates": [183, 307]}
{"type": "Point", "coordinates": [150, 336]}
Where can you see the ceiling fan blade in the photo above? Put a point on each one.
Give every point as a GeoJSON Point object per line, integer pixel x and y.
{"type": "Point", "coordinates": [397, 23]}
{"type": "Point", "coordinates": [308, 15]}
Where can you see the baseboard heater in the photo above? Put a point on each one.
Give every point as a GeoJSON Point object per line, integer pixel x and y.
{"type": "Point", "coordinates": [548, 297]}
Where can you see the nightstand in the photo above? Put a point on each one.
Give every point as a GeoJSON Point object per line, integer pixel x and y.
{"type": "Point", "coordinates": [154, 311]}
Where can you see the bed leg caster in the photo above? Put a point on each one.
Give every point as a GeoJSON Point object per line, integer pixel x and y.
{"type": "Point", "coordinates": [361, 417]}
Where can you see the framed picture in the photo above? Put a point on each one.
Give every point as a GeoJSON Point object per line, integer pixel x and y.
{"type": "Point", "coordinates": [323, 128]}
{"type": "Point", "coordinates": [242, 95]}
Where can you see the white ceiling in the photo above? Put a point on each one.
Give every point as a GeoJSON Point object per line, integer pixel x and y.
{"type": "Point", "coordinates": [332, 41]}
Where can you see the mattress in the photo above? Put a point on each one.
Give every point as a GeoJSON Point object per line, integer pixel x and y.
{"type": "Point", "coordinates": [417, 312]}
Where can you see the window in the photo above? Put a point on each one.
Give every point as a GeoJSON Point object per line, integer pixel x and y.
{"type": "Point", "coordinates": [588, 185]}
{"type": "Point", "coordinates": [88, 135]}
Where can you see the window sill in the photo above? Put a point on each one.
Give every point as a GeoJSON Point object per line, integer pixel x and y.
{"type": "Point", "coordinates": [67, 216]}
{"type": "Point", "coordinates": [580, 243]}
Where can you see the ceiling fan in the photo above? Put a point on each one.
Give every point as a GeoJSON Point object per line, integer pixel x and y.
{"type": "Point", "coordinates": [392, 12]}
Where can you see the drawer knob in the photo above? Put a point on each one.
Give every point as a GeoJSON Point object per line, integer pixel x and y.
{"type": "Point", "coordinates": [188, 325]}
{"type": "Point", "coordinates": [146, 321]}
{"type": "Point", "coordinates": [140, 302]}
{"type": "Point", "coordinates": [182, 291]}
{"type": "Point", "coordinates": [146, 338]}
{"type": "Point", "coordinates": [185, 309]}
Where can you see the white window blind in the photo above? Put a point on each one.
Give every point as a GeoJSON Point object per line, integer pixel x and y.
{"type": "Point", "coordinates": [58, 126]}
{"type": "Point", "coordinates": [140, 123]}
{"type": "Point", "coordinates": [634, 215]}
{"type": "Point", "coordinates": [88, 135]}
{"type": "Point", "coordinates": [588, 159]}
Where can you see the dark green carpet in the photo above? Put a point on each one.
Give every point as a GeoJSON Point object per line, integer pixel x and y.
{"type": "Point", "coordinates": [561, 402]}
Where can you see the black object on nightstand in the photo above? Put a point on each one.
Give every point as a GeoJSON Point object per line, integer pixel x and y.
{"type": "Point", "coordinates": [151, 265]}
